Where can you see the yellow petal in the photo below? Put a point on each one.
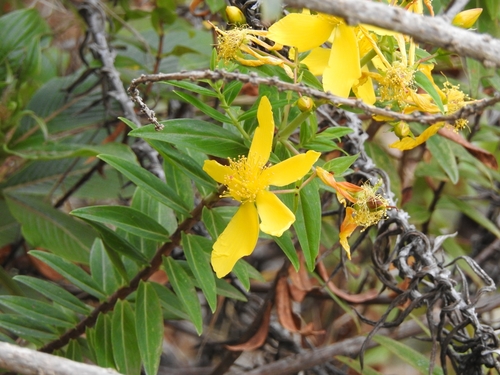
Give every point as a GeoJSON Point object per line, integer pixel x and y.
{"type": "Point", "coordinates": [290, 170]}
{"type": "Point", "coordinates": [262, 142]}
{"type": "Point", "coordinates": [317, 60]}
{"type": "Point", "coordinates": [304, 31]}
{"type": "Point", "coordinates": [409, 143]}
{"type": "Point", "coordinates": [217, 171]}
{"type": "Point", "coordinates": [238, 239]}
{"type": "Point", "coordinates": [275, 216]}
{"type": "Point", "coordinates": [378, 30]}
{"type": "Point", "coordinates": [343, 68]}
{"type": "Point", "coordinates": [346, 228]}
{"type": "Point", "coordinates": [467, 18]}
{"type": "Point", "coordinates": [365, 90]}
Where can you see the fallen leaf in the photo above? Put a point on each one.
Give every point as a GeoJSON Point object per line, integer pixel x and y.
{"type": "Point", "coordinates": [257, 340]}
{"type": "Point", "coordinates": [483, 156]}
{"type": "Point", "coordinates": [352, 298]}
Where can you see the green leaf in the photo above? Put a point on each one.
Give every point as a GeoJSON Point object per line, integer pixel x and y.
{"type": "Point", "coordinates": [38, 311]}
{"type": "Point", "coordinates": [474, 70]}
{"type": "Point", "coordinates": [199, 262]}
{"type": "Point", "coordinates": [74, 351]}
{"type": "Point", "coordinates": [241, 273]}
{"type": "Point", "coordinates": [26, 329]}
{"type": "Point", "coordinates": [126, 218]}
{"type": "Point", "coordinates": [467, 209]}
{"type": "Point", "coordinates": [185, 291]}
{"type": "Point", "coordinates": [206, 109]}
{"type": "Point", "coordinates": [186, 163]}
{"type": "Point", "coordinates": [196, 134]}
{"type": "Point", "coordinates": [227, 290]}
{"type": "Point", "coordinates": [425, 84]}
{"type": "Point", "coordinates": [124, 339]}
{"type": "Point", "coordinates": [231, 90]}
{"type": "Point", "coordinates": [181, 184]}
{"type": "Point", "coordinates": [44, 226]}
{"type": "Point", "coordinates": [355, 365]}
{"type": "Point", "coordinates": [101, 341]}
{"type": "Point", "coordinates": [308, 223]}
{"type": "Point", "coordinates": [149, 327]}
{"type": "Point", "coordinates": [414, 358]}
{"type": "Point", "coordinates": [442, 151]}
{"type": "Point", "coordinates": [71, 272]}
{"type": "Point", "coordinates": [148, 182]}
{"type": "Point", "coordinates": [337, 133]}
{"type": "Point", "coordinates": [170, 303]}
{"type": "Point", "coordinates": [103, 270]}
{"type": "Point", "coordinates": [214, 222]}
{"type": "Point", "coordinates": [115, 243]}
{"type": "Point", "coordinates": [10, 230]}
{"type": "Point", "coordinates": [192, 87]}
{"type": "Point", "coordinates": [286, 244]}
{"type": "Point", "coordinates": [55, 293]}
{"type": "Point", "coordinates": [340, 164]}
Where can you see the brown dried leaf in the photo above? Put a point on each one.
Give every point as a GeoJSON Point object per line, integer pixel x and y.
{"type": "Point", "coordinates": [286, 316]}
{"type": "Point", "coordinates": [352, 298]}
{"type": "Point", "coordinates": [483, 156]}
{"type": "Point", "coordinates": [257, 340]}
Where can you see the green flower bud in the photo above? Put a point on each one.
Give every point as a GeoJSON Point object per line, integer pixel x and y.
{"type": "Point", "coordinates": [402, 130]}
{"type": "Point", "coordinates": [305, 104]}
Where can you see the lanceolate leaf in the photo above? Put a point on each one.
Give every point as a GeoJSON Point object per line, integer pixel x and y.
{"type": "Point", "coordinates": [286, 244]}
{"type": "Point", "coordinates": [170, 303]}
{"type": "Point", "coordinates": [26, 329]}
{"type": "Point", "coordinates": [467, 209]}
{"type": "Point", "coordinates": [38, 311]}
{"type": "Point", "coordinates": [149, 327]}
{"type": "Point", "coordinates": [442, 151]}
{"type": "Point", "coordinates": [101, 341]}
{"type": "Point", "coordinates": [105, 274]}
{"type": "Point", "coordinates": [117, 244]}
{"type": "Point", "coordinates": [126, 218]}
{"type": "Point", "coordinates": [148, 182]}
{"type": "Point", "coordinates": [124, 340]}
{"type": "Point", "coordinates": [308, 223]}
{"type": "Point", "coordinates": [206, 109]}
{"type": "Point", "coordinates": [55, 293]}
{"type": "Point", "coordinates": [414, 358]}
{"type": "Point", "coordinates": [199, 135]}
{"type": "Point", "coordinates": [423, 82]}
{"type": "Point", "coordinates": [184, 289]}
{"type": "Point", "coordinates": [199, 262]}
{"type": "Point", "coordinates": [44, 226]}
{"type": "Point", "coordinates": [71, 272]}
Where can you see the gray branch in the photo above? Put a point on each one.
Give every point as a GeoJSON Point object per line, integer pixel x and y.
{"type": "Point", "coordinates": [434, 30]}
{"type": "Point", "coordinates": [30, 362]}
{"type": "Point", "coordinates": [93, 14]}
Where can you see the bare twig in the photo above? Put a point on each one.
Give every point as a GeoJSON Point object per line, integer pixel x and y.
{"type": "Point", "coordinates": [30, 362]}
{"type": "Point", "coordinates": [216, 75]}
{"type": "Point", "coordinates": [434, 30]}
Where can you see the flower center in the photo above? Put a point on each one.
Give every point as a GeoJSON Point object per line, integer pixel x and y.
{"type": "Point", "coordinates": [397, 83]}
{"type": "Point", "coordinates": [245, 181]}
{"type": "Point", "coordinates": [370, 207]}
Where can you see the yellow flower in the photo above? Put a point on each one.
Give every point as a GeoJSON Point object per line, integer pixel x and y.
{"type": "Point", "coordinates": [231, 44]}
{"type": "Point", "coordinates": [339, 65]}
{"type": "Point", "coordinates": [366, 208]}
{"type": "Point", "coordinates": [248, 179]}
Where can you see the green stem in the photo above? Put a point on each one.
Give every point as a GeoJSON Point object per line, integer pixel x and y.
{"type": "Point", "coordinates": [290, 128]}
{"type": "Point", "coordinates": [229, 112]}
